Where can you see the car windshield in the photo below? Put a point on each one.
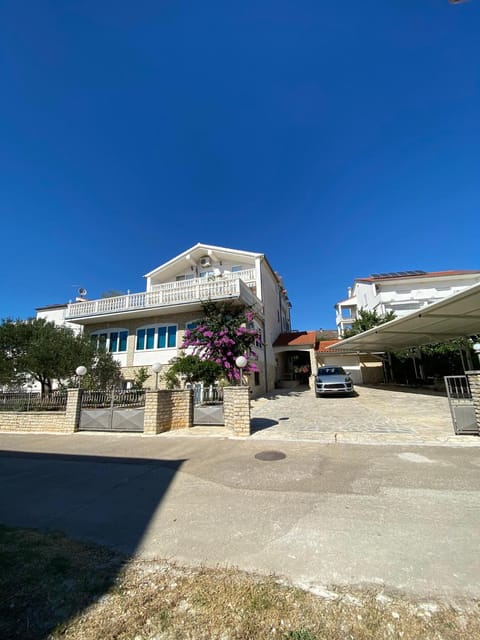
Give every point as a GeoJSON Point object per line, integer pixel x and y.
{"type": "Point", "coordinates": [331, 371]}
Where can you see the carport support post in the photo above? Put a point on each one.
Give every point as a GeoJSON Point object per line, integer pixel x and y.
{"type": "Point", "coordinates": [236, 410]}
{"type": "Point", "coordinates": [474, 383]}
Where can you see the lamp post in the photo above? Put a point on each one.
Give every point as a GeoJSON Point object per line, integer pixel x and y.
{"type": "Point", "coordinates": [241, 363]}
{"type": "Point", "coordinates": [156, 366]}
{"type": "Point", "coordinates": [80, 371]}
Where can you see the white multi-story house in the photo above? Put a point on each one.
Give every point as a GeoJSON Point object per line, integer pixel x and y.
{"type": "Point", "coordinates": [400, 292]}
{"type": "Point", "coordinates": [144, 328]}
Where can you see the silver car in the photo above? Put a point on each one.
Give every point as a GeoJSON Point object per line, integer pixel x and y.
{"type": "Point", "coordinates": [331, 380]}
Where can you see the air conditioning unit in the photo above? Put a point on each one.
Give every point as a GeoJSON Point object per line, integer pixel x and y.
{"type": "Point", "coordinates": [205, 261]}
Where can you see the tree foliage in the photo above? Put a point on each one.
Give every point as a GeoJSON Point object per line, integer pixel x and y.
{"type": "Point", "coordinates": [222, 336]}
{"type": "Point", "coordinates": [193, 369]}
{"type": "Point", "coordinates": [42, 351]}
{"type": "Point", "coordinates": [103, 372]}
{"type": "Point", "coordinates": [367, 320]}
{"type": "Point", "coordinates": [440, 359]}
{"type": "Point", "coordinates": [140, 377]}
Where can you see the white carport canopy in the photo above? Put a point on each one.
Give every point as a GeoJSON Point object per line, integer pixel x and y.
{"type": "Point", "coordinates": [454, 317]}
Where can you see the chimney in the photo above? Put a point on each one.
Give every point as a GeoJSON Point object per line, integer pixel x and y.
{"type": "Point", "coordinates": [349, 292]}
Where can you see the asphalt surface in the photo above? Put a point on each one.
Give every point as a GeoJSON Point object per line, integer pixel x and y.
{"type": "Point", "coordinates": [400, 517]}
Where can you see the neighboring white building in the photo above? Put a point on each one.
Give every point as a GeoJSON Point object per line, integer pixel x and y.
{"type": "Point", "coordinates": [400, 292]}
{"type": "Point", "coordinates": [56, 313]}
{"type": "Point", "coordinates": [143, 328]}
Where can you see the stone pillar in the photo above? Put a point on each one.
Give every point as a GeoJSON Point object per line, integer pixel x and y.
{"type": "Point", "coordinates": [166, 410]}
{"type": "Point", "coordinates": [474, 383]}
{"type": "Point", "coordinates": [72, 412]}
{"type": "Point", "coordinates": [236, 410]}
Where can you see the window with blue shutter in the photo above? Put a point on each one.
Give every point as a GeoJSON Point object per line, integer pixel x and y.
{"type": "Point", "coordinates": [172, 336]}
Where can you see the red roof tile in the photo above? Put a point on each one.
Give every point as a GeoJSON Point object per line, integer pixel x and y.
{"type": "Point", "coordinates": [323, 344]}
{"type": "Point", "coordinates": [295, 339]}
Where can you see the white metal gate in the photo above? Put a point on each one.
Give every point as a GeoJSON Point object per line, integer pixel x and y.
{"type": "Point", "coordinates": [207, 405]}
{"type": "Point", "coordinates": [461, 405]}
{"type": "Point", "coordinates": [115, 410]}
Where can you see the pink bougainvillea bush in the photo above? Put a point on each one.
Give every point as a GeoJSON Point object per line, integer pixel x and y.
{"type": "Point", "coordinates": [224, 334]}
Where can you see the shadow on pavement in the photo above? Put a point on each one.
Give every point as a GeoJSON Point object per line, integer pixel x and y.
{"type": "Point", "coordinates": [259, 424]}
{"type": "Point", "coordinates": [425, 391]}
{"type": "Point", "coordinates": [98, 499]}
{"type": "Point", "coordinates": [295, 392]}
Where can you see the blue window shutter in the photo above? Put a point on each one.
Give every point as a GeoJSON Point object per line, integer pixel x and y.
{"type": "Point", "coordinates": [150, 338]}
{"type": "Point", "coordinates": [123, 341]}
{"type": "Point", "coordinates": [162, 333]}
{"type": "Point", "coordinates": [113, 341]}
{"type": "Point", "coordinates": [141, 339]}
{"type": "Point", "coordinates": [172, 336]}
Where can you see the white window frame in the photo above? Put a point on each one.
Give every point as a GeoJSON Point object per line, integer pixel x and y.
{"type": "Point", "coordinates": [156, 327]}
{"type": "Point", "coordinates": [96, 334]}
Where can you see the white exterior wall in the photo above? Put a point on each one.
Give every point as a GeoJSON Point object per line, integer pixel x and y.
{"type": "Point", "coordinates": [57, 316]}
{"type": "Point", "coordinates": [146, 358]}
{"type": "Point", "coordinates": [257, 275]}
{"type": "Point", "coordinates": [403, 295]}
{"type": "Point", "coordinates": [275, 315]}
{"type": "Point", "coordinates": [350, 363]}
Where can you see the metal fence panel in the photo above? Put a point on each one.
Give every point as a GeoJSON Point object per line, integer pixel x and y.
{"type": "Point", "coordinates": [116, 410]}
{"type": "Point", "coordinates": [207, 405]}
{"type": "Point", "coordinates": [461, 405]}
{"type": "Point", "coordinates": [24, 401]}
{"type": "Point", "coordinates": [115, 398]}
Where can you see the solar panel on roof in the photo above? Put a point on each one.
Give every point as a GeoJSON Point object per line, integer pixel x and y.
{"type": "Point", "coordinates": [399, 274]}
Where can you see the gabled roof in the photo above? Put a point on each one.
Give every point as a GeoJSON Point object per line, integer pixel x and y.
{"type": "Point", "coordinates": [296, 339]}
{"type": "Point", "coordinates": [198, 250]}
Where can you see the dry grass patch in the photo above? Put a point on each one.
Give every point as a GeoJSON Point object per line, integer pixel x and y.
{"type": "Point", "coordinates": [108, 598]}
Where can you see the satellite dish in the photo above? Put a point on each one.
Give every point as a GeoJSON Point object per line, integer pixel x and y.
{"type": "Point", "coordinates": [82, 292]}
{"type": "Point", "coordinates": [205, 261]}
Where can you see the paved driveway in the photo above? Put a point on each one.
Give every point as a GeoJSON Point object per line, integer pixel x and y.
{"type": "Point", "coordinates": [375, 414]}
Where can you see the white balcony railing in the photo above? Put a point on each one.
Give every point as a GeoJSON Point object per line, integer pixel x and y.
{"type": "Point", "coordinates": [247, 275]}
{"type": "Point", "coordinates": [165, 295]}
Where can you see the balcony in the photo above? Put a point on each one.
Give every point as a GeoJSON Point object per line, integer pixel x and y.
{"type": "Point", "coordinates": [167, 298]}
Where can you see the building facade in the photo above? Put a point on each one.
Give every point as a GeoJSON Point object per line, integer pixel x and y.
{"type": "Point", "coordinates": [144, 328]}
{"type": "Point", "coordinates": [400, 292]}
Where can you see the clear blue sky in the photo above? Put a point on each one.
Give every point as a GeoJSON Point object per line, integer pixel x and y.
{"type": "Point", "coordinates": [338, 138]}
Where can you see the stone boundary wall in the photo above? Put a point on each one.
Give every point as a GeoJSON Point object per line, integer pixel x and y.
{"type": "Point", "coordinates": [44, 421]}
{"type": "Point", "coordinates": [236, 410]}
{"type": "Point", "coordinates": [474, 382]}
{"type": "Point", "coordinates": [166, 410]}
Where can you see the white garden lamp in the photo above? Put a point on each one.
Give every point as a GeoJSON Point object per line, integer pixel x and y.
{"type": "Point", "coordinates": [476, 348]}
{"type": "Point", "coordinates": [156, 366]}
{"type": "Point", "coordinates": [241, 363]}
{"type": "Point", "coordinates": [80, 371]}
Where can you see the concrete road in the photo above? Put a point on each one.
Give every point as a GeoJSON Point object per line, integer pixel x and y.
{"type": "Point", "coordinates": [402, 517]}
